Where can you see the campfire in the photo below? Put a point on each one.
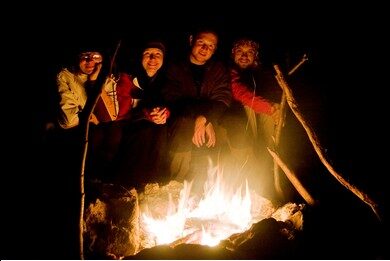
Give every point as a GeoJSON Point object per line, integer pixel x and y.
{"type": "Point", "coordinates": [173, 215]}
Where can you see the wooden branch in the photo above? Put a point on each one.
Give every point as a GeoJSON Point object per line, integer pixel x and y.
{"type": "Point", "coordinates": [304, 59]}
{"type": "Point", "coordinates": [82, 190]}
{"type": "Point", "coordinates": [89, 107]}
{"type": "Point", "coordinates": [317, 146]}
{"type": "Point", "coordinates": [278, 130]}
{"type": "Point", "coordinates": [293, 178]}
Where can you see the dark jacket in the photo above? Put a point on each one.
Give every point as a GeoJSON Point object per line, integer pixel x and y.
{"type": "Point", "coordinates": [182, 95]}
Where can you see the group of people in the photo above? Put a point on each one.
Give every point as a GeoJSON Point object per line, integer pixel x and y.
{"type": "Point", "coordinates": [166, 121]}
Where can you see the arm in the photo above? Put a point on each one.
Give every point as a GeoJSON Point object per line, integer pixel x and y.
{"type": "Point", "coordinates": [175, 91]}
{"type": "Point", "coordinates": [216, 95]}
{"type": "Point", "coordinates": [124, 86]}
{"type": "Point", "coordinates": [71, 100]}
{"type": "Point", "coordinates": [246, 97]}
{"type": "Point", "coordinates": [219, 94]}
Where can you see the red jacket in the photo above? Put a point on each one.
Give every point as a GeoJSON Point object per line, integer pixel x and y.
{"type": "Point", "coordinates": [245, 96]}
{"type": "Point", "coordinates": [123, 91]}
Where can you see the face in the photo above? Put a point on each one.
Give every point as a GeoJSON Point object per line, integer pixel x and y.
{"type": "Point", "coordinates": [152, 60]}
{"type": "Point", "coordinates": [244, 56]}
{"type": "Point", "coordinates": [88, 60]}
{"type": "Point", "coordinates": [203, 47]}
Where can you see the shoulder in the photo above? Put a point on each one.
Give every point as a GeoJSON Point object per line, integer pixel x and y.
{"type": "Point", "coordinates": [179, 69]}
{"type": "Point", "coordinates": [125, 76]}
{"type": "Point", "coordinates": [65, 74]}
{"type": "Point", "coordinates": [217, 64]}
{"type": "Point", "coordinates": [218, 67]}
{"type": "Point", "coordinates": [178, 65]}
{"type": "Point", "coordinates": [124, 79]}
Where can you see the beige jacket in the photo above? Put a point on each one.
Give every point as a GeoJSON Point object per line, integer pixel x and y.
{"type": "Point", "coordinates": [73, 97]}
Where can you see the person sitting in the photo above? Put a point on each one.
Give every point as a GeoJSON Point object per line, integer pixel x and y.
{"type": "Point", "coordinates": [142, 157]}
{"type": "Point", "coordinates": [197, 92]}
{"type": "Point", "coordinates": [255, 94]}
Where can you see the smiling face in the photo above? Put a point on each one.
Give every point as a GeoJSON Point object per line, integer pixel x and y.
{"type": "Point", "coordinates": [203, 47]}
{"type": "Point", "coordinates": [244, 56]}
{"type": "Point", "coordinates": [88, 61]}
{"type": "Point", "coordinates": [152, 60]}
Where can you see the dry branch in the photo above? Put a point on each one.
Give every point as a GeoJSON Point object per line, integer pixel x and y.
{"type": "Point", "coordinates": [279, 126]}
{"type": "Point", "coordinates": [89, 108]}
{"type": "Point", "coordinates": [278, 131]}
{"type": "Point", "coordinates": [293, 178]}
{"type": "Point", "coordinates": [317, 146]}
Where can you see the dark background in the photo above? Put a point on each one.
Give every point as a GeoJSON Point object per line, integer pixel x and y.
{"type": "Point", "coordinates": [340, 91]}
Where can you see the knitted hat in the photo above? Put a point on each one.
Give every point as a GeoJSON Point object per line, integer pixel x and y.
{"type": "Point", "coordinates": [155, 44]}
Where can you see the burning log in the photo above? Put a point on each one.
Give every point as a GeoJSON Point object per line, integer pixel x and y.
{"type": "Point", "coordinates": [192, 238]}
{"type": "Point", "coordinates": [266, 239]}
{"type": "Point", "coordinates": [182, 252]}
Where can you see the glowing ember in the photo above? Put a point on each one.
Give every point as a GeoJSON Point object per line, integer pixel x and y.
{"type": "Point", "coordinates": [172, 215]}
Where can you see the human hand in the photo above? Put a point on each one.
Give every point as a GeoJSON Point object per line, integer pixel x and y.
{"type": "Point", "coordinates": [199, 137]}
{"type": "Point", "coordinates": [210, 133]}
{"type": "Point", "coordinates": [159, 115]}
{"type": "Point", "coordinates": [93, 119]}
{"type": "Point", "coordinates": [93, 76]}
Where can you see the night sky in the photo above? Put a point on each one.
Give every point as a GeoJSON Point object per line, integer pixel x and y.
{"type": "Point", "coordinates": [339, 90]}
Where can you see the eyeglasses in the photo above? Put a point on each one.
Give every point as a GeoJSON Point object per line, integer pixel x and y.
{"type": "Point", "coordinates": [91, 56]}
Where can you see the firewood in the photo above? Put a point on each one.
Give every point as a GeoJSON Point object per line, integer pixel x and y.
{"type": "Point", "coordinates": [279, 126]}
{"type": "Point", "coordinates": [317, 146]}
{"type": "Point", "coordinates": [293, 178]}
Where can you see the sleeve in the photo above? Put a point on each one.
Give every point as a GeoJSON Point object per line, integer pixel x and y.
{"type": "Point", "coordinates": [180, 92]}
{"type": "Point", "coordinates": [124, 96]}
{"type": "Point", "coordinates": [220, 95]}
{"type": "Point", "coordinates": [70, 107]}
{"type": "Point", "coordinates": [172, 90]}
{"type": "Point", "coordinates": [246, 97]}
{"type": "Point", "coordinates": [175, 92]}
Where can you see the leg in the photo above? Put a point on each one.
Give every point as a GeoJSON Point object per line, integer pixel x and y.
{"type": "Point", "coordinates": [180, 146]}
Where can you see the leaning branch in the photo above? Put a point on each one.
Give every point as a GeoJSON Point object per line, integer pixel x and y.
{"type": "Point", "coordinates": [279, 126]}
{"type": "Point", "coordinates": [317, 146]}
{"type": "Point", "coordinates": [293, 178]}
{"type": "Point", "coordinates": [89, 108]}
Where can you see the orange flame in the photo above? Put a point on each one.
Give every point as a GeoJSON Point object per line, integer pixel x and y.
{"type": "Point", "coordinates": [217, 215]}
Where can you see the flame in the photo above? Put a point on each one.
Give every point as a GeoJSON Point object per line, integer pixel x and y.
{"type": "Point", "coordinates": [218, 214]}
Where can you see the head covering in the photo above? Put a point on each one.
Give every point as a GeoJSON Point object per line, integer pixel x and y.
{"type": "Point", "coordinates": [155, 44]}
{"type": "Point", "coordinates": [83, 47]}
